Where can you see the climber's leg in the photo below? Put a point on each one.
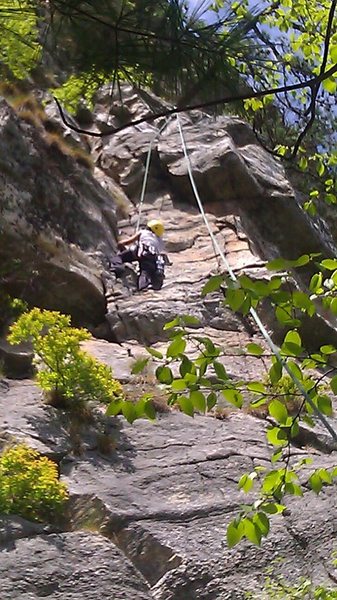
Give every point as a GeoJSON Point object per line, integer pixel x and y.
{"type": "Point", "coordinates": [147, 267]}
{"type": "Point", "coordinates": [117, 261]}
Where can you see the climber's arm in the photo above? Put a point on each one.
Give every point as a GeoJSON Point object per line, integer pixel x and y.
{"type": "Point", "coordinates": [129, 240]}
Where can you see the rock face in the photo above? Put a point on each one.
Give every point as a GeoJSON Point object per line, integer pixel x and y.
{"type": "Point", "coordinates": [53, 214]}
{"type": "Point", "coordinates": [147, 518]}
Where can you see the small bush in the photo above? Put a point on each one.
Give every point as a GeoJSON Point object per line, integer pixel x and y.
{"type": "Point", "coordinates": [69, 376]}
{"type": "Point", "coordinates": [29, 485]}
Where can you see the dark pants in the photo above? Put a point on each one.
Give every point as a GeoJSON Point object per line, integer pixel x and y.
{"type": "Point", "coordinates": [148, 275]}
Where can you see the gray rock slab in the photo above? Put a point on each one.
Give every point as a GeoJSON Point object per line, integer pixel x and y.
{"type": "Point", "coordinates": [68, 566]}
{"type": "Point", "coordinates": [25, 418]}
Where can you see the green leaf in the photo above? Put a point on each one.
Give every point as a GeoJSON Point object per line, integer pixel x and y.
{"type": "Point", "coordinates": [301, 261]}
{"type": "Point", "coordinates": [257, 387]}
{"type": "Point", "coordinates": [164, 375]}
{"type": "Point", "coordinates": [328, 349]}
{"type": "Point", "coordinates": [154, 352]}
{"type": "Point", "coordinates": [262, 522]}
{"type": "Point", "coordinates": [174, 323]}
{"type": "Point", "coordinates": [273, 508]}
{"type": "Point", "coordinates": [178, 385]}
{"type": "Point", "coordinates": [330, 85]}
{"type": "Point", "coordinates": [283, 316]}
{"type": "Point", "coordinates": [329, 264]}
{"type": "Point", "coordinates": [186, 405]}
{"type": "Point", "coordinates": [278, 264]}
{"type": "Point", "coordinates": [333, 384]}
{"type": "Point", "coordinates": [211, 400]}
{"type": "Point", "coordinates": [129, 411]}
{"type": "Point", "coordinates": [235, 298]}
{"type": "Point", "coordinates": [220, 370]}
{"type": "Point", "coordinates": [150, 410]}
{"type": "Point", "coordinates": [316, 282]}
{"type": "Point", "coordinates": [186, 366]}
{"type": "Point", "coordinates": [198, 400]}
{"type": "Point", "coordinates": [212, 285]}
{"type": "Point", "coordinates": [176, 347]}
{"type": "Point", "coordinates": [324, 405]}
{"type": "Point", "coordinates": [139, 365]}
{"type": "Point", "coordinates": [246, 482]}
{"type": "Point", "coordinates": [114, 408]}
{"type": "Point", "coordinates": [278, 411]}
{"type": "Point", "coordinates": [234, 534]}
{"type": "Point", "coordinates": [295, 369]}
{"type": "Point", "coordinates": [333, 53]}
{"type": "Point", "coordinates": [333, 306]}
{"type": "Point", "coordinates": [233, 397]}
{"type": "Point", "coordinates": [255, 349]}
{"type": "Point", "coordinates": [190, 320]}
{"type": "Point", "coordinates": [293, 488]}
{"type": "Point", "coordinates": [252, 532]}
{"type": "Point", "coordinates": [275, 372]}
{"type": "Point", "coordinates": [315, 482]}
{"type": "Point", "coordinates": [277, 436]}
{"type": "Point", "coordinates": [293, 337]}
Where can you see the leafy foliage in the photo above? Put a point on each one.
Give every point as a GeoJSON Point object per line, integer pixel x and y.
{"type": "Point", "coordinates": [292, 391]}
{"type": "Point", "coordinates": [29, 485]}
{"type": "Point", "coordinates": [68, 373]}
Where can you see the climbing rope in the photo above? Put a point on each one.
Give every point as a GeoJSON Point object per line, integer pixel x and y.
{"type": "Point", "coordinates": [252, 311]}
{"type": "Point", "coordinates": [146, 173]}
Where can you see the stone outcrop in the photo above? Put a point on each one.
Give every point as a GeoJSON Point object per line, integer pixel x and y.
{"type": "Point", "coordinates": [53, 215]}
{"type": "Point", "coordinates": [148, 520]}
{"type": "Point", "coordinates": [147, 517]}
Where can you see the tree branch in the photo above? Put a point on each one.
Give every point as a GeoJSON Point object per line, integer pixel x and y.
{"type": "Point", "coordinates": [312, 84]}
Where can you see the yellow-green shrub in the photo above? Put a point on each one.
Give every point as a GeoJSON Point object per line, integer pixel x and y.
{"type": "Point", "coordinates": [68, 374]}
{"type": "Point", "coordinates": [29, 485]}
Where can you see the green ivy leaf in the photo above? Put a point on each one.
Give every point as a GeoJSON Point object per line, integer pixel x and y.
{"type": "Point", "coordinates": [211, 400]}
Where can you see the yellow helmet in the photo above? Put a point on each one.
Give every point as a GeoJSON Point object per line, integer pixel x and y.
{"type": "Point", "coordinates": [156, 227]}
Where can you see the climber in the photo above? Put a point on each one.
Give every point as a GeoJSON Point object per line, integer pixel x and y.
{"type": "Point", "coordinates": [147, 248]}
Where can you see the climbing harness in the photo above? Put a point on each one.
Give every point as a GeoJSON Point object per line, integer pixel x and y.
{"type": "Point", "coordinates": [252, 311]}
